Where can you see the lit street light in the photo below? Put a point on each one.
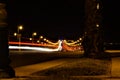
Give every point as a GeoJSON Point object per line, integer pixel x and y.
{"type": "Point", "coordinates": [38, 41]}
{"type": "Point", "coordinates": [15, 34]}
{"type": "Point", "coordinates": [97, 25]}
{"type": "Point", "coordinates": [30, 39]}
{"type": "Point", "coordinates": [20, 28]}
{"type": "Point", "coordinates": [33, 34]}
{"type": "Point", "coordinates": [19, 35]}
{"type": "Point", "coordinates": [80, 39]}
{"type": "Point", "coordinates": [44, 39]}
{"type": "Point", "coordinates": [41, 37]}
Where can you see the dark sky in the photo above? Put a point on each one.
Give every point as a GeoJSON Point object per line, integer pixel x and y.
{"type": "Point", "coordinates": [111, 20]}
{"type": "Point", "coordinates": [60, 18]}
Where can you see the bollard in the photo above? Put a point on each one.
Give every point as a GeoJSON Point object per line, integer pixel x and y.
{"type": "Point", "coordinates": [6, 71]}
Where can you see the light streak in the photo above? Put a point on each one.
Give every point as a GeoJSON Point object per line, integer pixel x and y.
{"type": "Point", "coordinates": [38, 48]}
{"type": "Point", "coordinates": [31, 44]}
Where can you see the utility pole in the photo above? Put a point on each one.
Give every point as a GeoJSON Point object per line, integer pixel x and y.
{"type": "Point", "coordinates": [6, 71]}
{"type": "Point", "coordinates": [93, 36]}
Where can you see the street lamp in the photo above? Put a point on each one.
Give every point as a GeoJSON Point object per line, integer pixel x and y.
{"type": "Point", "coordinates": [41, 37]}
{"type": "Point", "coordinates": [33, 34]}
{"type": "Point", "coordinates": [38, 41]}
{"type": "Point", "coordinates": [15, 34]}
{"type": "Point", "coordinates": [20, 28]}
{"type": "Point", "coordinates": [80, 39]}
{"type": "Point", "coordinates": [30, 39]}
{"type": "Point", "coordinates": [19, 35]}
{"type": "Point", "coordinates": [97, 25]}
{"type": "Point", "coordinates": [44, 39]}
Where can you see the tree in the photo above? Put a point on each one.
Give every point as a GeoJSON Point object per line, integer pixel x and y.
{"type": "Point", "coordinates": [6, 71]}
{"type": "Point", "coordinates": [93, 36]}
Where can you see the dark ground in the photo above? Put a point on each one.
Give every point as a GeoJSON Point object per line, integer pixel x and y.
{"type": "Point", "coordinates": [21, 59]}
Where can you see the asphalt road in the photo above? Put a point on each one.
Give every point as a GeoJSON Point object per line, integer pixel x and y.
{"type": "Point", "coordinates": [21, 58]}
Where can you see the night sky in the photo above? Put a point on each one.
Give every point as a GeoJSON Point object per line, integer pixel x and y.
{"type": "Point", "coordinates": [60, 18]}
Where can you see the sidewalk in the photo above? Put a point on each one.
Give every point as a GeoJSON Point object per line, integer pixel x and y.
{"type": "Point", "coordinates": [29, 69]}
{"type": "Point", "coordinates": [115, 70]}
{"type": "Point", "coordinates": [24, 72]}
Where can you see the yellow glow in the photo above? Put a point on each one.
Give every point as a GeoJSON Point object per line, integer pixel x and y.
{"type": "Point", "coordinates": [80, 43]}
{"type": "Point", "coordinates": [70, 43]}
{"type": "Point", "coordinates": [41, 37]}
{"type": "Point", "coordinates": [30, 39]}
{"type": "Point", "coordinates": [45, 39]}
{"type": "Point", "coordinates": [15, 34]}
{"type": "Point", "coordinates": [34, 34]}
{"type": "Point", "coordinates": [53, 43]}
{"type": "Point", "coordinates": [97, 25]}
{"type": "Point", "coordinates": [80, 38]}
{"type": "Point", "coordinates": [98, 6]}
{"type": "Point", "coordinates": [20, 27]}
{"type": "Point", "coordinates": [77, 40]}
{"type": "Point", "coordinates": [38, 41]}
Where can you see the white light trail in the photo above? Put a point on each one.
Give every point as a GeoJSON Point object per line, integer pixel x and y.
{"type": "Point", "coordinates": [38, 48]}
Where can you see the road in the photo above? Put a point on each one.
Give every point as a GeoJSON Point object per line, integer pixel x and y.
{"type": "Point", "coordinates": [21, 58]}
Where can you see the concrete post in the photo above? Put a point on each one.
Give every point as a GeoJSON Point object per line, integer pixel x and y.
{"type": "Point", "coordinates": [6, 71]}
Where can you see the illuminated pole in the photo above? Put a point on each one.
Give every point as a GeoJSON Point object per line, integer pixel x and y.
{"type": "Point", "coordinates": [6, 71]}
{"type": "Point", "coordinates": [34, 34]}
{"type": "Point", "coordinates": [19, 35]}
{"type": "Point", "coordinates": [40, 38]}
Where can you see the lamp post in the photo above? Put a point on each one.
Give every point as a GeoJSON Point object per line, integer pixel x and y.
{"type": "Point", "coordinates": [19, 35]}
{"type": "Point", "coordinates": [33, 34]}
{"type": "Point", "coordinates": [40, 38]}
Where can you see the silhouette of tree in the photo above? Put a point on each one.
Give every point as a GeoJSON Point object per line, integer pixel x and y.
{"type": "Point", "coordinates": [93, 36]}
